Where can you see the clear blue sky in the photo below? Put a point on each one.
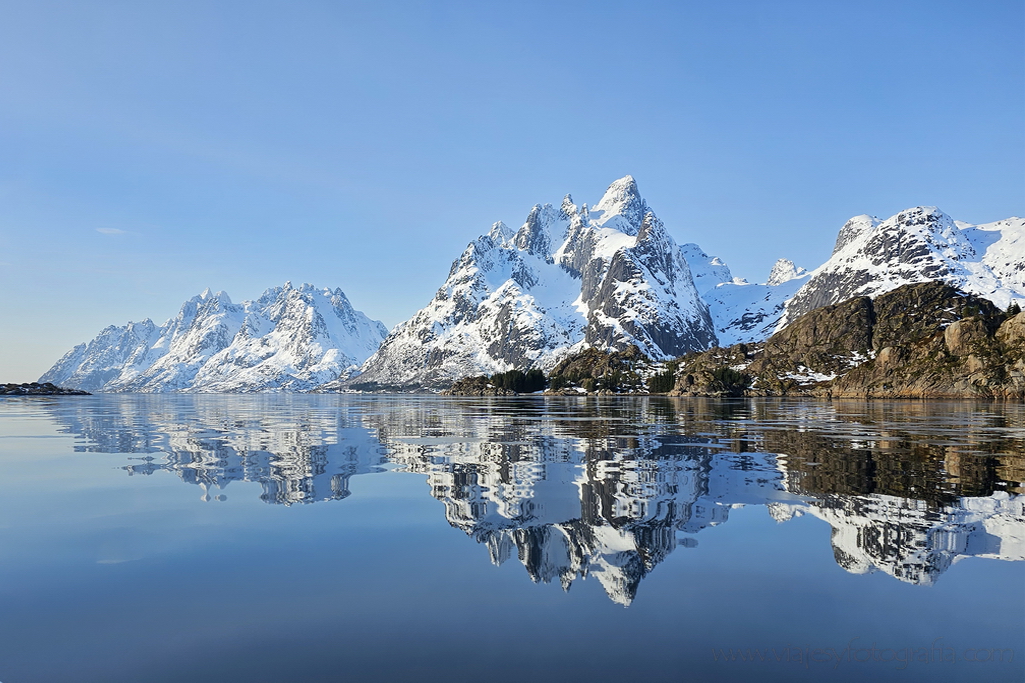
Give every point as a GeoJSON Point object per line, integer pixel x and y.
{"type": "Point", "coordinates": [150, 150]}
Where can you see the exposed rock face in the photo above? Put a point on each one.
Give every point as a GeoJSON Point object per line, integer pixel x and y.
{"type": "Point", "coordinates": [291, 338]}
{"type": "Point", "coordinates": [923, 340]}
{"type": "Point", "coordinates": [966, 361]}
{"type": "Point", "coordinates": [608, 276]}
{"type": "Point", "coordinates": [824, 340]}
{"type": "Point", "coordinates": [815, 348]}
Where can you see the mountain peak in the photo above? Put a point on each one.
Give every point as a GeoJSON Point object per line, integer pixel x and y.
{"type": "Point", "coordinates": [533, 236]}
{"type": "Point", "coordinates": [620, 193]}
{"type": "Point", "coordinates": [920, 215]}
{"type": "Point", "coordinates": [784, 270]}
{"type": "Point", "coordinates": [623, 201]}
{"type": "Point", "coordinates": [208, 296]}
{"type": "Point", "coordinates": [568, 207]}
{"type": "Point", "coordinates": [853, 229]}
{"type": "Point", "coordinates": [500, 232]}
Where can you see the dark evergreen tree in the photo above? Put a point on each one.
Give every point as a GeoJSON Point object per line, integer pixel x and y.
{"type": "Point", "coordinates": [519, 381]}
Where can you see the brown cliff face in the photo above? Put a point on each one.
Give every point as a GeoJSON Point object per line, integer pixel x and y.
{"type": "Point", "coordinates": [978, 356]}
{"type": "Point", "coordinates": [919, 341]}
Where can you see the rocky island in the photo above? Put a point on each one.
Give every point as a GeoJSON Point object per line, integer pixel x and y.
{"type": "Point", "coordinates": [37, 389]}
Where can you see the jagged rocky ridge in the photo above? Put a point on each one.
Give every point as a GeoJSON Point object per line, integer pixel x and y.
{"type": "Point", "coordinates": [571, 277]}
{"type": "Point", "coordinates": [289, 339]}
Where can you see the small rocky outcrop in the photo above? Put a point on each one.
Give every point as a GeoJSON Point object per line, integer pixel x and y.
{"type": "Point", "coordinates": [594, 371]}
{"type": "Point", "coordinates": [37, 389]}
{"type": "Point", "coordinates": [477, 386]}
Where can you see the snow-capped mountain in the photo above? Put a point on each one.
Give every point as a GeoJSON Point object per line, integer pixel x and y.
{"type": "Point", "coordinates": [291, 338]}
{"type": "Point", "coordinates": [607, 276]}
{"type": "Point", "coordinates": [918, 245]}
{"type": "Point", "coordinates": [872, 257]}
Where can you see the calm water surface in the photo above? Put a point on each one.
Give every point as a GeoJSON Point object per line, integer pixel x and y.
{"type": "Point", "coordinates": [404, 538]}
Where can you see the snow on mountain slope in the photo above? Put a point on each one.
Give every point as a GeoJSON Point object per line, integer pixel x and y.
{"type": "Point", "coordinates": [742, 312]}
{"type": "Point", "coordinates": [707, 271]}
{"type": "Point", "coordinates": [746, 313]}
{"type": "Point", "coordinates": [918, 245]}
{"type": "Point", "coordinates": [114, 350]}
{"type": "Point", "coordinates": [1002, 245]}
{"type": "Point", "coordinates": [610, 276]}
{"type": "Point", "coordinates": [289, 339]}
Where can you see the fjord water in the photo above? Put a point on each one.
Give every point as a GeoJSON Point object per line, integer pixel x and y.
{"type": "Point", "coordinates": [411, 538]}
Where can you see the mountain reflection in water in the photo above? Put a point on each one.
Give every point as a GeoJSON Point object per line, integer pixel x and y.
{"type": "Point", "coordinates": [608, 488]}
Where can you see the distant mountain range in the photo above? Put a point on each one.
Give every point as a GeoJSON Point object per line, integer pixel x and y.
{"type": "Point", "coordinates": [571, 277]}
{"type": "Point", "coordinates": [290, 339]}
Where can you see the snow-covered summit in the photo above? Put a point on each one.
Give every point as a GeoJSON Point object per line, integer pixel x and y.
{"type": "Point", "coordinates": [874, 256]}
{"type": "Point", "coordinates": [621, 208]}
{"type": "Point", "coordinates": [918, 245]}
{"type": "Point", "coordinates": [782, 271]}
{"type": "Point", "coordinates": [569, 277]}
{"type": "Point", "coordinates": [290, 338]}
